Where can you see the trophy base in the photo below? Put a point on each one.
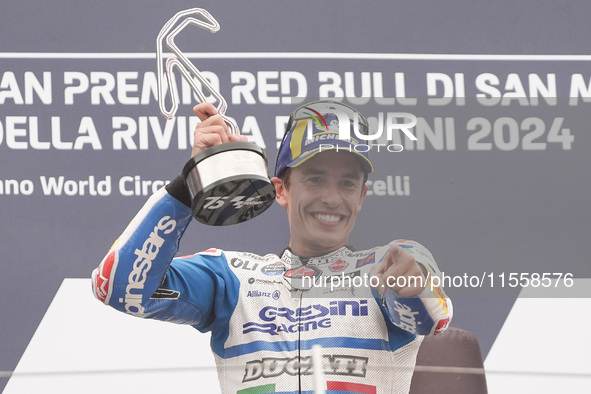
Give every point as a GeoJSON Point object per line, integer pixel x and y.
{"type": "Point", "coordinates": [229, 184]}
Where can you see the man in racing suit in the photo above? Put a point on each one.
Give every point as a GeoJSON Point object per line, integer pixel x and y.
{"type": "Point", "coordinates": [265, 313]}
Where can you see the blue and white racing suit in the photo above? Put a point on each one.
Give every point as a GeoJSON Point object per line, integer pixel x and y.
{"type": "Point", "coordinates": [263, 321]}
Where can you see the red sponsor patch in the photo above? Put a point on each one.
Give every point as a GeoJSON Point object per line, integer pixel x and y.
{"type": "Point", "coordinates": [406, 241]}
{"type": "Point", "coordinates": [101, 286]}
{"type": "Point", "coordinates": [301, 272]}
{"type": "Point", "coordinates": [338, 265]}
{"type": "Point", "coordinates": [211, 252]}
{"type": "Point", "coordinates": [351, 387]}
{"type": "Point", "coordinates": [188, 256]}
{"type": "Point", "coordinates": [441, 326]}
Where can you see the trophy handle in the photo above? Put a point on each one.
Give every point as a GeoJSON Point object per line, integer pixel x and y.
{"type": "Point", "coordinates": [228, 183]}
{"type": "Point", "coordinates": [179, 61]}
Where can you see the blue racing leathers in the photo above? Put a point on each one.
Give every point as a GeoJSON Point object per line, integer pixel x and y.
{"type": "Point", "coordinates": [266, 312]}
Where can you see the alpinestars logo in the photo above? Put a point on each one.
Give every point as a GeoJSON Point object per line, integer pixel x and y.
{"type": "Point", "coordinates": [407, 316]}
{"type": "Point", "coordinates": [142, 265]}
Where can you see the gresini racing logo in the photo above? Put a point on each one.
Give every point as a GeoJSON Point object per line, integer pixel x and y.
{"type": "Point", "coordinates": [332, 365]}
{"type": "Point", "coordinates": [275, 320]}
{"type": "Point", "coordinates": [143, 264]}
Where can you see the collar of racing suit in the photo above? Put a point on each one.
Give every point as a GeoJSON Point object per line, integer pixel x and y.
{"type": "Point", "coordinates": [301, 271]}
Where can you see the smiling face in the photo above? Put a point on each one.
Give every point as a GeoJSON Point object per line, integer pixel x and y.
{"type": "Point", "coordinates": [322, 200]}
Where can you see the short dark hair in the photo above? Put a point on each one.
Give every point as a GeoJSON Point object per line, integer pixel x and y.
{"type": "Point", "coordinates": [284, 176]}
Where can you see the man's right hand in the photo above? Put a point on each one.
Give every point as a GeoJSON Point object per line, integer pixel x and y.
{"type": "Point", "coordinates": [212, 130]}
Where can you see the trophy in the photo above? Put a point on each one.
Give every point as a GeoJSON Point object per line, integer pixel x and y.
{"type": "Point", "coordinates": [228, 183]}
